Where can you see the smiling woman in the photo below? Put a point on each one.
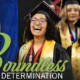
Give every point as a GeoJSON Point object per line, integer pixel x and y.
{"type": "Point", "coordinates": [68, 32]}
{"type": "Point", "coordinates": [72, 12]}
{"type": "Point", "coordinates": [40, 36]}
{"type": "Point", "coordinates": [38, 25]}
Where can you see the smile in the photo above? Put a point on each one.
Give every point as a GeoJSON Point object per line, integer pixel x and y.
{"type": "Point", "coordinates": [72, 16]}
{"type": "Point", "coordinates": [37, 29]}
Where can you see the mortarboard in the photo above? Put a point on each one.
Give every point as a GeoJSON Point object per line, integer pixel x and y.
{"type": "Point", "coordinates": [45, 9]}
{"type": "Point", "coordinates": [67, 2]}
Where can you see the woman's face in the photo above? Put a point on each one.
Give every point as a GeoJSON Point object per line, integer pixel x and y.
{"type": "Point", "coordinates": [38, 25]}
{"type": "Point", "coordinates": [72, 12]}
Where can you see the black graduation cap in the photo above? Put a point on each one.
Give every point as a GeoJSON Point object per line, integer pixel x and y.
{"type": "Point", "coordinates": [66, 2]}
{"type": "Point", "coordinates": [49, 2]}
{"type": "Point", "coordinates": [45, 9]}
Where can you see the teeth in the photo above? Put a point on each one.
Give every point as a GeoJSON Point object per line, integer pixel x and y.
{"type": "Point", "coordinates": [37, 28]}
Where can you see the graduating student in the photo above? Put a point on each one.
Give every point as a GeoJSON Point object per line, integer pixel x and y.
{"type": "Point", "coordinates": [68, 33]}
{"type": "Point", "coordinates": [49, 2]}
{"type": "Point", "coordinates": [40, 36]}
{"type": "Point", "coordinates": [74, 53]}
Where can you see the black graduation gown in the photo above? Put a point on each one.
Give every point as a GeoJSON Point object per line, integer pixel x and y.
{"type": "Point", "coordinates": [69, 51]}
{"type": "Point", "coordinates": [59, 54]}
{"type": "Point", "coordinates": [76, 77]}
{"type": "Point", "coordinates": [58, 39]}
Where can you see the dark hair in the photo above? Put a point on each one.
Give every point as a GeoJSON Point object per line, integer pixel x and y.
{"type": "Point", "coordinates": [50, 32]}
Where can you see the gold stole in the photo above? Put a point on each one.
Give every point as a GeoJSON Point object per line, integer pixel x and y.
{"type": "Point", "coordinates": [75, 59]}
{"type": "Point", "coordinates": [47, 51]}
{"type": "Point", "coordinates": [23, 51]}
{"type": "Point", "coordinates": [65, 38]}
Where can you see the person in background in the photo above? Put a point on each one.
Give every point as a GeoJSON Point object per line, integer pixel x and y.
{"type": "Point", "coordinates": [68, 33]}
{"type": "Point", "coordinates": [74, 53]}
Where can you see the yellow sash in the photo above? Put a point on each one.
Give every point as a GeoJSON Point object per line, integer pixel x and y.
{"type": "Point", "coordinates": [65, 38]}
{"type": "Point", "coordinates": [23, 51]}
{"type": "Point", "coordinates": [47, 51]}
{"type": "Point", "coordinates": [75, 59]}
{"type": "Point", "coordinates": [78, 32]}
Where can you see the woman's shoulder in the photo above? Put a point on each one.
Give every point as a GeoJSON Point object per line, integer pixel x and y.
{"type": "Point", "coordinates": [23, 50]}
{"type": "Point", "coordinates": [26, 45]}
{"type": "Point", "coordinates": [61, 53]}
{"type": "Point", "coordinates": [60, 50]}
{"type": "Point", "coordinates": [58, 46]}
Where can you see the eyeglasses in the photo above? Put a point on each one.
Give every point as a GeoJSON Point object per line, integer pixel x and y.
{"type": "Point", "coordinates": [41, 21]}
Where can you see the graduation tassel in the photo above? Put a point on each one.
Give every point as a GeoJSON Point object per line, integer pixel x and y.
{"type": "Point", "coordinates": [24, 39]}
{"type": "Point", "coordinates": [29, 15]}
{"type": "Point", "coordinates": [61, 5]}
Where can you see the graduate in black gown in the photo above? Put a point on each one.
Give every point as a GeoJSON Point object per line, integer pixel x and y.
{"type": "Point", "coordinates": [40, 36]}
{"type": "Point", "coordinates": [74, 53]}
{"type": "Point", "coordinates": [68, 33]}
